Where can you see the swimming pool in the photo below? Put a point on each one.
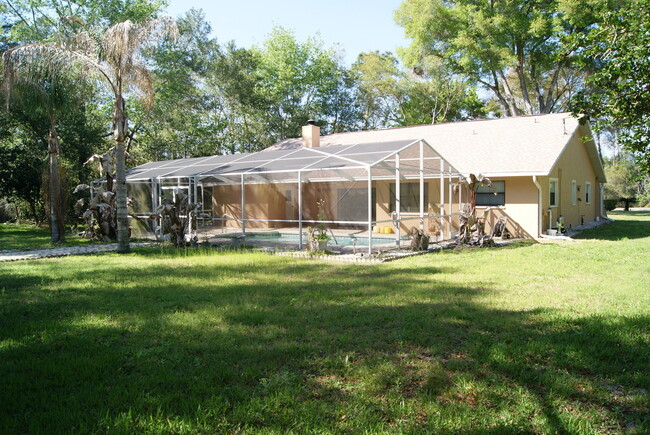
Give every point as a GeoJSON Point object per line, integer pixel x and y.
{"type": "Point", "coordinates": [339, 240]}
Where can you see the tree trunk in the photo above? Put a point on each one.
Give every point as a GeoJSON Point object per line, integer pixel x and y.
{"type": "Point", "coordinates": [522, 79]}
{"type": "Point", "coordinates": [57, 222]}
{"type": "Point", "coordinates": [550, 101]}
{"type": "Point", "coordinates": [509, 97]}
{"type": "Point", "coordinates": [120, 121]}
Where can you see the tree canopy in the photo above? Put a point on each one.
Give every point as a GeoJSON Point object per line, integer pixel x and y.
{"type": "Point", "coordinates": [521, 51]}
{"type": "Point", "coordinates": [618, 90]}
{"type": "Point", "coordinates": [45, 20]}
{"type": "Point", "coordinates": [392, 96]}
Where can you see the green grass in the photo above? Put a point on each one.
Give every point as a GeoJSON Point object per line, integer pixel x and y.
{"type": "Point", "coordinates": [25, 237]}
{"type": "Point", "coordinates": [532, 338]}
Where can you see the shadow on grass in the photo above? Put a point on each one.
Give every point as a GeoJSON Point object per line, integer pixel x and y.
{"type": "Point", "coordinates": [468, 250]}
{"type": "Point", "coordinates": [277, 346]}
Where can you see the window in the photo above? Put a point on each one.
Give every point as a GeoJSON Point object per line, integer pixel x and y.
{"type": "Point", "coordinates": [410, 197]}
{"type": "Point", "coordinates": [587, 192]}
{"type": "Point", "coordinates": [353, 204]}
{"type": "Point", "coordinates": [485, 195]}
{"type": "Point", "coordinates": [574, 192]}
{"type": "Point", "coordinates": [553, 192]}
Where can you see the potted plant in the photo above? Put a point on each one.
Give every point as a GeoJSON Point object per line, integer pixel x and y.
{"type": "Point", "coordinates": [321, 240]}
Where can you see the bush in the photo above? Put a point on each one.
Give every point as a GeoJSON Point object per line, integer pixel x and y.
{"type": "Point", "coordinates": [643, 200]}
{"type": "Point", "coordinates": [7, 211]}
{"type": "Point", "coordinates": [610, 204]}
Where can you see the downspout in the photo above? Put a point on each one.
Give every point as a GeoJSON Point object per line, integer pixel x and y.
{"type": "Point", "coordinates": [600, 212]}
{"type": "Point", "coordinates": [602, 204]}
{"type": "Point", "coordinates": [539, 206]}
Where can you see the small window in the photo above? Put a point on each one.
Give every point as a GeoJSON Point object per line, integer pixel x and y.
{"type": "Point", "coordinates": [553, 193]}
{"type": "Point", "coordinates": [587, 192]}
{"type": "Point", "coordinates": [485, 195]}
{"type": "Point", "coordinates": [574, 192]}
{"type": "Point", "coordinates": [410, 197]}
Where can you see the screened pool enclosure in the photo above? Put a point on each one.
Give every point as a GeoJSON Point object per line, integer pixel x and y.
{"type": "Point", "coordinates": [377, 192]}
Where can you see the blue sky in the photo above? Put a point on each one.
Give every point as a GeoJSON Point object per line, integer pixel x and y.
{"type": "Point", "coordinates": [356, 25]}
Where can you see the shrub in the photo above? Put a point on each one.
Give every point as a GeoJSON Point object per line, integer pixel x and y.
{"type": "Point", "coordinates": [610, 204]}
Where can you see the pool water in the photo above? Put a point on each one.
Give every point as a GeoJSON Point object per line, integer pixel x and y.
{"type": "Point", "coordinates": [339, 240]}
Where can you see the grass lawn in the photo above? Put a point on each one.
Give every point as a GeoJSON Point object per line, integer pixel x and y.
{"type": "Point", "coordinates": [20, 236]}
{"type": "Point", "coordinates": [533, 338]}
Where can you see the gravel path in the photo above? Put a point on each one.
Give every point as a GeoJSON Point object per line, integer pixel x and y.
{"type": "Point", "coordinates": [60, 252]}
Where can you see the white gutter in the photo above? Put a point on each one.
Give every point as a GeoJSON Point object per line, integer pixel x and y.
{"type": "Point", "coordinates": [539, 206]}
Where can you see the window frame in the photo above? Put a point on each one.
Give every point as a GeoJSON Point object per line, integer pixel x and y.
{"type": "Point", "coordinates": [587, 192]}
{"type": "Point", "coordinates": [489, 191]}
{"type": "Point", "coordinates": [555, 192]}
{"type": "Point", "coordinates": [404, 194]}
{"type": "Point", "coordinates": [574, 192]}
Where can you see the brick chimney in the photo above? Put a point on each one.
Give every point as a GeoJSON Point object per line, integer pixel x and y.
{"type": "Point", "coordinates": [310, 135]}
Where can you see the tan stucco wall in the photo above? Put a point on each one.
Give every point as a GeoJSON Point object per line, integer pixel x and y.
{"type": "Point", "coordinates": [263, 201]}
{"type": "Point", "coordinates": [520, 208]}
{"type": "Point", "coordinates": [268, 202]}
{"type": "Point", "coordinates": [431, 207]}
{"type": "Point", "coordinates": [573, 164]}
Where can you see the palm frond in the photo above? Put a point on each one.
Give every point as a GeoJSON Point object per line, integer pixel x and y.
{"type": "Point", "coordinates": [53, 60]}
{"type": "Point", "coordinates": [141, 82]}
{"type": "Point", "coordinates": [123, 43]}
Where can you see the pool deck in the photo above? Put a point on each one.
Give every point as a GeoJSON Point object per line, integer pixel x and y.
{"type": "Point", "coordinates": [381, 242]}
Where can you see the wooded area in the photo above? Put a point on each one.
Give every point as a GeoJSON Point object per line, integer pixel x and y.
{"type": "Point", "coordinates": [88, 85]}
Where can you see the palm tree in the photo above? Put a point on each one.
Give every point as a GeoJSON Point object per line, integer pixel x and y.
{"type": "Point", "coordinates": [116, 59]}
{"type": "Point", "coordinates": [52, 98]}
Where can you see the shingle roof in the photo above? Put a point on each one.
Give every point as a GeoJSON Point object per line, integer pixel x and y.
{"type": "Point", "coordinates": [526, 145]}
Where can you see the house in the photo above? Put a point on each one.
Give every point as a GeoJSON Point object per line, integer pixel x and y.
{"type": "Point", "coordinates": [543, 168]}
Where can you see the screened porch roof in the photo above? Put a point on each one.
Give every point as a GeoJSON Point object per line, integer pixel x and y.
{"type": "Point", "coordinates": [331, 163]}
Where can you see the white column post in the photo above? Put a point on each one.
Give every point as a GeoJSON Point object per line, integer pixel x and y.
{"type": "Point", "coordinates": [154, 202]}
{"type": "Point", "coordinates": [398, 201]}
{"type": "Point", "coordinates": [442, 199]}
{"type": "Point", "coordinates": [243, 206]}
{"type": "Point", "coordinates": [421, 185]}
{"type": "Point", "coordinates": [299, 210]}
{"type": "Point", "coordinates": [196, 190]}
{"type": "Point", "coordinates": [369, 211]}
{"type": "Point", "coordinates": [202, 197]}
{"type": "Point", "coordinates": [451, 208]}
{"type": "Point", "coordinates": [460, 196]}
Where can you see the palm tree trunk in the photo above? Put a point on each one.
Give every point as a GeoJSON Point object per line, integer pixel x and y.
{"type": "Point", "coordinates": [120, 121]}
{"type": "Point", "coordinates": [57, 222]}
